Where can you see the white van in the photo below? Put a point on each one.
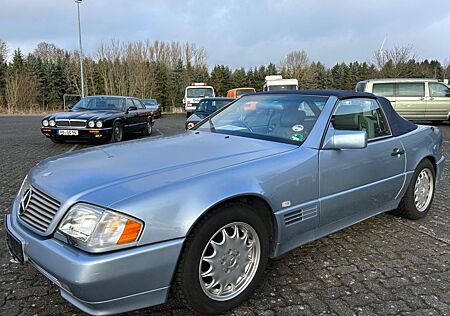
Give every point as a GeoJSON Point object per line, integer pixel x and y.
{"type": "Point", "coordinates": [277, 83]}
{"type": "Point", "coordinates": [194, 93]}
{"type": "Point", "coordinates": [414, 99]}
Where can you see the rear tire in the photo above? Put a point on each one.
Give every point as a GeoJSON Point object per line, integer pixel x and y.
{"type": "Point", "coordinates": [419, 196]}
{"type": "Point", "coordinates": [232, 243]}
{"type": "Point", "coordinates": [148, 129]}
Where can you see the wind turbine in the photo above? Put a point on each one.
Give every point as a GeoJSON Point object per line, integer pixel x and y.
{"type": "Point", "coordinates": [381, 57]}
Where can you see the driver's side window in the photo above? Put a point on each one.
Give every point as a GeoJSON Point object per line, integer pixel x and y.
{"type": "Point", "coordinates": [438, 90]}
{"type": "Point", "coordinates": [129, 103]}
{"type": "Point", "coordinates": [138, 104]}
{"type": "Point", "coordinates": [361, 115]}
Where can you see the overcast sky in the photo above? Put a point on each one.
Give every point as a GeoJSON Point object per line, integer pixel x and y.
{"type": "Point", "coordinates": [237, 32]}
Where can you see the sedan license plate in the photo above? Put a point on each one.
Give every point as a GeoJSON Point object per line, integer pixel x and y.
{"type": "Point", "coordinates": [15, 247]}
{"type": "Point", "coordinates": [68, 132]}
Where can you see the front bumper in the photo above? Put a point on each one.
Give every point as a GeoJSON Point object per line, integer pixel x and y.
{"type": "Point", "coordinates": [83, 133]}
{"type": "Point", "coordinates": [191, 107]}
{"type": "Point", "coordinates": [102, 284]}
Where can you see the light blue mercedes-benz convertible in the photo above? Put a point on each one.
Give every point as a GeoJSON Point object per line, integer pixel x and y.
{"type": "Point", "coordinates": [119, 227]}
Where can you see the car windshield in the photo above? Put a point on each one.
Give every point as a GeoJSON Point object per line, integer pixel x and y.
{"type": "Point", "coordinates": [282, 87]}
{"type": "Point", "coordinates": [99, 104]}
{"type": "Point", "coordinates": [199, 92]}
{"type": "Point", "coordinates": [241, 92]}
{"type": "Point", "coordinates": [278, 117]}
{"type": "Point", "coordinates": [151, 102]}
{"type": "Point", "coordinates": [208, 106]}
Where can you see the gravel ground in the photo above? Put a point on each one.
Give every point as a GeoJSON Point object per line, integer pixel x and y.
{"type": "Point", "coordinates": [385, 265]}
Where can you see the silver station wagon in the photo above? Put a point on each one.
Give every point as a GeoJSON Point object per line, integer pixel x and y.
{"type": "Point", "coordinates": [118, 229]}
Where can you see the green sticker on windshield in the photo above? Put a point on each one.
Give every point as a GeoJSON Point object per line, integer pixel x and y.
{"type": "Point", "coordinates": [297, 137]}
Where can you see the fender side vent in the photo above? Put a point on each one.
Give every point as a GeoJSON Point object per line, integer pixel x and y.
{"type": "Point", "coordinates": [300, 215]}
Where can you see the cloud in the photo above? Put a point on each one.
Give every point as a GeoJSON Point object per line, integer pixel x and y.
{"type": "Point", "coordinates": [237, 32]}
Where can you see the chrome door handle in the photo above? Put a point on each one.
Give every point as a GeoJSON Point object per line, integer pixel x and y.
{"type": "Point", "coordinates": [422, 98]}
{"type": "Point", "coordinates": [397, 152]}
{"type": "Point", "coordinates": [431, 98]}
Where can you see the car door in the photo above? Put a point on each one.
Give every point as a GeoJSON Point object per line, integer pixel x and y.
{"type": "Point", "coordinates": [142, 114]}
{"type": "Point", "coordinates": [438, 104]}
{"type": "Point", "coordinates": [410, 101]}
{"type": "Point", "coordinates": [131, 117]}
{"type": "Point", "coordinates": [357, 183]}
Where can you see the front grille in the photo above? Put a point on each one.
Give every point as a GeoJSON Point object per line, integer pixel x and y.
{"type": "Point", "coordinates": [78, 123]}
{"type": "Point", "coordinates": [71, 123]}
{"type": "Point", "coordinates": [62, 123]}
{"type": "Point", "coordinates": [40, 211]}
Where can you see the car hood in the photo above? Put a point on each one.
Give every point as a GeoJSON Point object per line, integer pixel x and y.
{"type": "Point", "coordinates": [115, 169]}
{"type": "Point", "coordinates": [82, 115]}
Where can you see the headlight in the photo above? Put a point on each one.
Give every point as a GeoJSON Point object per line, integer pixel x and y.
{"type": "Point", "coordinates": [91, 123]}
{"type": "Point", "coordinates": [45, 123]}
{"type": "Point", "coordinates": [52, 123]}
{"type": "Point", "coordinates": [99, 124]}
{"type": "Point", "coordinates": [96, 228]}
{"type": "Point", "coordinates": [190, 125]}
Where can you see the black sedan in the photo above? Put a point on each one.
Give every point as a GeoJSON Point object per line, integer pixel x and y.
{"type": "Point", "coordinates": [102, 118]}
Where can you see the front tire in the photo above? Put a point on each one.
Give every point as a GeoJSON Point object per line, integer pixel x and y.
{"type": "Point", "coordinates": [418, 197]}
{"type": "Point", "coordinates": [223, 259]}
{"type": "Point", "coordinates": [117, 133]}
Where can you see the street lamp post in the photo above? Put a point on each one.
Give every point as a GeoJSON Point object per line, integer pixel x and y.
{"type": "Point", "coordinates": [81, 48]}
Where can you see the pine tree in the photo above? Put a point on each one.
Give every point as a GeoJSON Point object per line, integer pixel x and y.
{"type": "Point", "coordinates": [176, 85]}
{"type": "Point", "coordinates": [18, 63]}
{"type": "Point", "coordinates": [239, 78]}
{"type": "Point", "coordinates": [221, 79]}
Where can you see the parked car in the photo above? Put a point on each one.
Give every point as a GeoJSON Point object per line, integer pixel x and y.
{"type": "Point", "coordinates": [100, 118]}
{"type": "Point", "coordinates": [153, 105]}
{"type": "Point", "coordinates": [239, 92]}
{"type": "Point", "coordinates": [205, 108]}
{"type": "Point", "coordinates": [194, 93]}
{"type": "Point", "coordinates": [117, 229]}
{"type": "Point", "coordinates": [277, 83]}
{"type": "Point", "coordinates": [414, 99]}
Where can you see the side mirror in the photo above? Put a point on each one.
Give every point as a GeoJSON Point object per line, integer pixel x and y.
{"type": "Point", "coordinates": [132, 108]}
{"type": "Point", "coordinates": [346, 140]}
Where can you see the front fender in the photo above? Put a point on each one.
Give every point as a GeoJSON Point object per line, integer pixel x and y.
{"type": "Point", "coordinates": [175, 209]}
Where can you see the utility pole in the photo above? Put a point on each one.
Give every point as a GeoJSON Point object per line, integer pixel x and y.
{"type": "Point", "coordinates": [81, 48]}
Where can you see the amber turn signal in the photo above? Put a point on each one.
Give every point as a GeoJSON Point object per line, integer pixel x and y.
{"type": "Point", "coordinates": [130, 232]}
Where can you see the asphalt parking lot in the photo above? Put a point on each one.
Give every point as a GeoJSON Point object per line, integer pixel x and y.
{"type": "Point", "coordinates": [382, 266]}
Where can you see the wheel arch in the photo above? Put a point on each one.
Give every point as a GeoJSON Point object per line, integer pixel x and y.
{"type": "Point", "coordinates": [257, 203]}
{"type": "Point", "coordinates": [432, 159]}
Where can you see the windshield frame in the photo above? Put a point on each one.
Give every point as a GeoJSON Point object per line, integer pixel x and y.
{"type": "Point", "coordinates": [86, 99]}
{"type": "Point", "coordinates": [260, 136]}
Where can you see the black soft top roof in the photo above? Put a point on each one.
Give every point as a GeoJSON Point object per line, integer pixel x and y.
{"type": "Point", "coordinates": [398, 124]}
{"type": "Point", "coordinates": [340, 94]}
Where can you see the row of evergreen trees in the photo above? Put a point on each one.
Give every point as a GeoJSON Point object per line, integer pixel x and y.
{"type": "Point", "coordinates": [38, 81]}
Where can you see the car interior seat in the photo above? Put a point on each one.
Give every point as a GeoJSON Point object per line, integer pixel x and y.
{"type": "Point", "coordinates": [291, 116]}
